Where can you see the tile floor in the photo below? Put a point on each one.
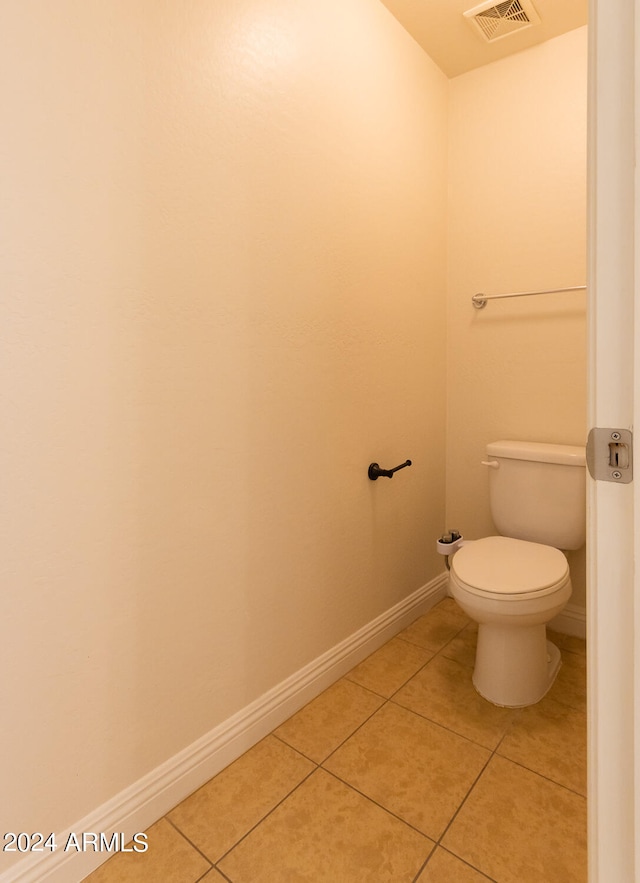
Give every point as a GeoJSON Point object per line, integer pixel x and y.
{"type": "Point", "coordinates": [398, 772]}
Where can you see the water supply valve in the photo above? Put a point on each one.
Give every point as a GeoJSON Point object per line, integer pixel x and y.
{"type": "Point", "coordinates": [449, 542]}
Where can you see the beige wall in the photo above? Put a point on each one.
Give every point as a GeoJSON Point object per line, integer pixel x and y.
{"type": "Point", "coordinates": [517, 222]}
{"type": "Point", "coordinates": [223, 297]}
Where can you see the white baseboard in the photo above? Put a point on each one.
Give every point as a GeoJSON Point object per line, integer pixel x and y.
{"type": "Point", "coordinates": [572, 621]}
{"type": "Point", "coordinates": [150, 798]}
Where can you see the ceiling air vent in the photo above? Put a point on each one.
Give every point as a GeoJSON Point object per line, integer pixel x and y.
{"type": "Point", "coordinates": [493, 21]}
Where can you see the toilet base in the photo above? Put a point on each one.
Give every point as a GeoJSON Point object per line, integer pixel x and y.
{"type": "Point", "coordinates": [514, 667]}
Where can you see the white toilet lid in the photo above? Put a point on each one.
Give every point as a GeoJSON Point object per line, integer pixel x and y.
{"type": "Point", "coordinates": [504, 566]}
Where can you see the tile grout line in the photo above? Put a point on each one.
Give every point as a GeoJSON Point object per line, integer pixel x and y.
{"type": "Point", "coordinates": [208, 871]}
{"type": "Point", "coordinates": [465, 798]}
{"type": "Point", "coordinates": [541, 775]}
{"type": "Point", "coordinates": [385, 809]}
{"type": "Point", "coordinates": [495, 752]}
{"type": "Point", "coordinates": [438, 843]}
{"type": "Point", "coordinates": [190, 842]}
{"type": "Point", "coordinates": [264, 817]}
{"type": "Point", "coordinates": [471, 788]}
{"type": "Point", "coordinates": [468, 865]}
{"type": "Point", "coordinates": [457, 858]}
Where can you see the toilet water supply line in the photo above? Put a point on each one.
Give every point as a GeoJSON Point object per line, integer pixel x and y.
{"type": "Point", "coordinates": [449, 543]}
{"type": "Point", "coordinates": [452, 540]}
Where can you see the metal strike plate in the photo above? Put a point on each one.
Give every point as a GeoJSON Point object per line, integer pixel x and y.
{"type": "Point", "coordinates": [610, 455]}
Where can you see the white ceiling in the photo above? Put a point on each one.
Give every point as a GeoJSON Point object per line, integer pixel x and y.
{"type": "Point", "coordinates": [440, 28]}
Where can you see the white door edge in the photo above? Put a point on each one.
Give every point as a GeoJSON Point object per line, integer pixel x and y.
{"type": "Point", "coordinates": [636, 415]}
{"type": "Point", "coordinates": [612, 695]}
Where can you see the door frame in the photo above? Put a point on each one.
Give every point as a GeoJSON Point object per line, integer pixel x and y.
{"type": "Point", "coordinates": [612, 617]}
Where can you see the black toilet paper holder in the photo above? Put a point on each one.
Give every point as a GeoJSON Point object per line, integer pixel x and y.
{"type": "Point", "coordinates": [376, 471]}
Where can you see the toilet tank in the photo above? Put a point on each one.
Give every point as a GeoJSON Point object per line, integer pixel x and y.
{"type": "Point", "coordinates": [537, 492]}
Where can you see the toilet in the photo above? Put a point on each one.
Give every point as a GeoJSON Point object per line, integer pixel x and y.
{"type": "Point", "coordinates": [512, 585]}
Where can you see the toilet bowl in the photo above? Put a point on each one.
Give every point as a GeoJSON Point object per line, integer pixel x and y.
{"type": "Point", "coordinates": [512, 588]}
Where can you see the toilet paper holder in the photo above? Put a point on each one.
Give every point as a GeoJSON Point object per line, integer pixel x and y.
{"type": "Point", "coordinates": [375, 471]}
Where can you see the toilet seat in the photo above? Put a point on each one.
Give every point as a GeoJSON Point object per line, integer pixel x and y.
{"type": "Point", "coordinates": [507, 569]}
